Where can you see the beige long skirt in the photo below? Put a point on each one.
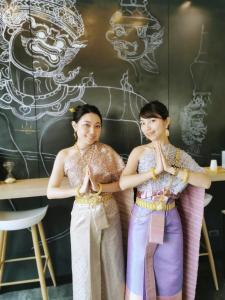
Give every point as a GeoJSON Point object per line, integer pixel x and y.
{"type": "Point", "coordinates": [97, 252]}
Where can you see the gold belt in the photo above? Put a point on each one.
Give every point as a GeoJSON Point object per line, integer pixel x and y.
{"type": "Point", "coordinates": [93, 199]}
{"type": "Point", "coordinates": [157, 205]}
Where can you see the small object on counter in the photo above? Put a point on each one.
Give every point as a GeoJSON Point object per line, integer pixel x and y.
{"type": "Point", "coordinates": [9, 165]}
{"type": "Point", "coordinates": [10, 180]}
{"type": "Point", "coordinates": [213, 165]}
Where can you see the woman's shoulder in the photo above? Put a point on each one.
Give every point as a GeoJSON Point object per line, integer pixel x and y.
{"type": "Point", "coordinates": [186, 160]}
{"type": "Point", "coordinates": [66, 152]}
{"type": "Point", "coordinates": [109, 155]}
{"type": "Point", "coordinates": [140, 150]}
{"type": "Point", "coordinates": [105, 147]}
{"type": "Point", "coordinates": [181, 152]}
{"type": "Point", "coordinates": [176, 150]}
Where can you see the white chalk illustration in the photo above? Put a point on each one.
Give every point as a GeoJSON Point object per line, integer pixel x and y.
{"type": "Point", "coordinates": [39, 42]}
{"type": "Point", "coordinates": [135, 34]}
{"type": "Point", "coordinates": [192, 117]}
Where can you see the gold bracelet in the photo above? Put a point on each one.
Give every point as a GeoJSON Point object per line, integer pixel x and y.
{"type": "Point", "coordinates": [99, 190]}
{"type": "Point", "coordinates": [78, 195]}
{"type": "Point", "coordinates": [185, 177]}
{"type": "Point", "coordinates": [153, 174]}
{"type": "Point", "coordinates": [77, 191]}
{"type": "Point", "coordinates": [175, 171]}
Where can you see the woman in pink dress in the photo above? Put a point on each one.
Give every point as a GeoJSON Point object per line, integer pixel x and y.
{"type": "Point", "coordinates": [164, 231]}
{"type": "Point", "coordinates": [93, 170]}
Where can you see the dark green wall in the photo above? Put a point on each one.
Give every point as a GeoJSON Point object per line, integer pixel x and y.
{"type": "Point", "coordinates": [167, 52]}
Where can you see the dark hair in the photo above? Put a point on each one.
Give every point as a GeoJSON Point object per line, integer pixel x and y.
{"type": "Point", "coordinates": [81, 110]}
{"type": "Point", "coordinates": [154, 109]}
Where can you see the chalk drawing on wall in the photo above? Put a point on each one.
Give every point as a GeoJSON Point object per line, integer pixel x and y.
{"type": "Point", "coordinates": [193, 116]}
{"type": "Point", "coordinates": [135, 34]}
{"type": "Point", "coordinates": [39, 39]}
{"type": "Point", "coordinates": [122, 98]}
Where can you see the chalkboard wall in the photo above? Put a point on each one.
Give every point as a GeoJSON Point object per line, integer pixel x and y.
{"type": "Point", "coordinates": [117, 55]}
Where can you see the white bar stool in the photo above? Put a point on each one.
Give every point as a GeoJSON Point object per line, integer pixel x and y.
{"type": "Point", "coordinates": [208, 252]}
{"type": "Point", "coordinates": [17, 220]}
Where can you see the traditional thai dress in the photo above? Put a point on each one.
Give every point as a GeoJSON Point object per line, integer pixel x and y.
{"type": "Point", "coordinates": [160, 233]}
{"type": "Point", "coordinates": [96, 238]}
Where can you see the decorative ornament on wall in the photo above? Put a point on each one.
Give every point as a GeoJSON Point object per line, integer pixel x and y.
{"type": "Point", "coordinates": [135, 34]}
{"type": "Point", "coordinates": [39, 39]}
{"type": "Point", "coordinates": [192, 117]}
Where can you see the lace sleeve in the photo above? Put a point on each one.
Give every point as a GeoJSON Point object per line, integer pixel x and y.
{"type": "Point", "coordinates": [115, 163]}
{"type": "Point", "coordinates": [188, 162]}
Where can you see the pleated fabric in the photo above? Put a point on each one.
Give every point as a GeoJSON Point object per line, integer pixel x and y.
{"type": "Point", "coordinates": [97, 252]}
{"type": "Point", "coordinates": [165, 271]}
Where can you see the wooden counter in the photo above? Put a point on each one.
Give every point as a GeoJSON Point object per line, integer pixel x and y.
{"type": "Point", "coordinates": [218, 175]}
{"type": "Point", "coordinates": [35, 187]}
{"type": "Point", "coordinates": [25, 188]}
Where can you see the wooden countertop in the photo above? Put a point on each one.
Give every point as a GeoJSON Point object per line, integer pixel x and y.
{"type": "Point", "coordinates": [25, 188]}
{"type": "Point", "coordinates": [218, 175]}
{"type": "Point", "coordinates": [35, 187]}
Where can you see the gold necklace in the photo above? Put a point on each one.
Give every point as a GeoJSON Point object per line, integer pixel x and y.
{"type": "Point", "coordinates": [92, 149]}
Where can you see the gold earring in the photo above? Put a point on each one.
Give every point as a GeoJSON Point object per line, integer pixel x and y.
{"type": "Point", "coordinates": [75, 135]}
{"type": "Point", "coordinates": [167, 132]}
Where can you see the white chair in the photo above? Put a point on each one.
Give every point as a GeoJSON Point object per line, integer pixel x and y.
{"type": "Point", "coordinates": [17, 220]}
{"type": "Point", "coordinates": [208, 252]}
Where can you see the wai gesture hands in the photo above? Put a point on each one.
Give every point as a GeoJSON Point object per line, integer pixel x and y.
{"type": "Point", "coordinates": [89, 184]}
{"type": "Point", "coordinates": [162, 163]}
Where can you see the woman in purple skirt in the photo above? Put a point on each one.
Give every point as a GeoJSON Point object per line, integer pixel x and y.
{"type": "Point", "coordinates": [165, 225]}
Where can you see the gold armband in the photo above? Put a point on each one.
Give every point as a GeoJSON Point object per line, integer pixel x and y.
{"type": "Point", "coordinates": [185, 176]}
{"type": "Point", "coordinates": [153, 174]}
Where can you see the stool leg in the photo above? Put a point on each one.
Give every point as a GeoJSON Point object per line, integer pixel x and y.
{"type": "Point", "coordinates": [46, 252]}
{"type": "Point", "coordinates": [210, 254]}
{"type": "Point", "coordinates": [3, 239]}
{"type": "Point", "coordinates": [44, 291]}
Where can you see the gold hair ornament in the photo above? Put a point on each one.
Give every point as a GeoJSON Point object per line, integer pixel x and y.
{"type": "Point", "coordinates": [72, 109]}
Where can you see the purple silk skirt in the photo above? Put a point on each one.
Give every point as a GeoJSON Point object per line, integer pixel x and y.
{"type": "Point", "coordinates": [166, 270]}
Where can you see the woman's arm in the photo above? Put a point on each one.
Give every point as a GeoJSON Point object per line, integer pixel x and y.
{"type": "Point", "coordinates": [196, 178]}
{"type": "Point", "coordinates": [54, 191]}
{"type": "Point", "coordinates": [129, 177]}
{"type": "Point", "coordinates": [111, 187]}
{"type": "Point", "coordinates": [199, 179]}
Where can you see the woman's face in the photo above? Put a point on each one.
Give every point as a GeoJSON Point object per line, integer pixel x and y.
{"type": "Point", "coordinates": [88, 128]}
{"type": "Point", "coordinates": [154, 129]}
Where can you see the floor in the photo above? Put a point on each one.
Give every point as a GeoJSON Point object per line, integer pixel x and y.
{"type": "Point", "coordinates": [205, 288]}
{"type": "Point", "coordinates": [61, 292]}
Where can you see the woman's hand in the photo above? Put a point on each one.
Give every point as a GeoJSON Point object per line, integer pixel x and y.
{"type": "Point", "coordinates": [86, 183]}
{"type": "Point", "coordinates": [159, 163]}
{"type": "Point", "coordinates": [94, 184]}
{"type": "Point", "coordinates": [166, 166]}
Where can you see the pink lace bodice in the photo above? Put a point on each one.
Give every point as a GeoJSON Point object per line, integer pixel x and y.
{"type": "Point", "coordinates": [105, 163]}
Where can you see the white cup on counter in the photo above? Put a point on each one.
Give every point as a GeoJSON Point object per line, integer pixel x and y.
{"type": "Point", "coordinates": [213, 165]}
